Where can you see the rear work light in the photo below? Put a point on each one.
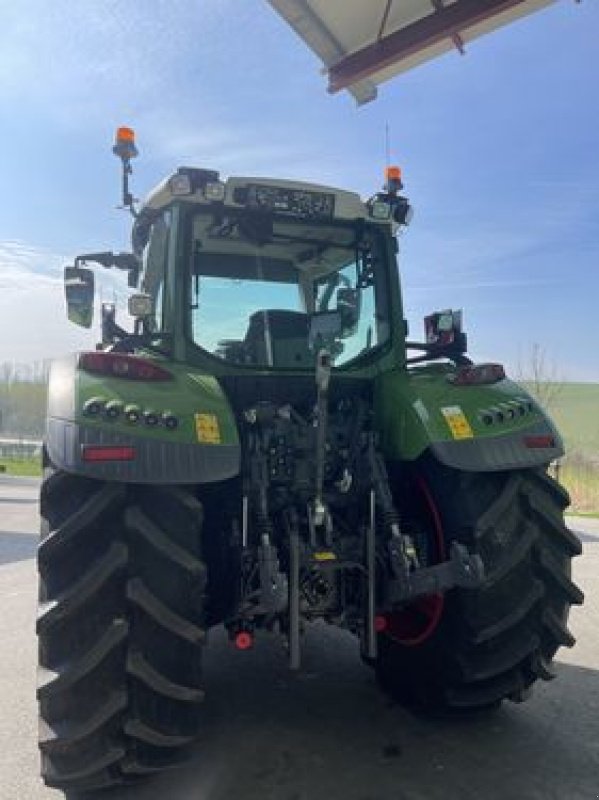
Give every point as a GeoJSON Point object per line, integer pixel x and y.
{"type": "Point", "coordinates": [96, 453]}
{"type": "Point", "coordinates": [121, 365]}
{"type": "Point", "coordinates": [478, 375]}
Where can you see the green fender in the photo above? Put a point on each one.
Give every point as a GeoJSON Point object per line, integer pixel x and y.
{"type": "Point", "coordinates": [181, 430]}
{"type": "Point", "coordinates": [474, 428]}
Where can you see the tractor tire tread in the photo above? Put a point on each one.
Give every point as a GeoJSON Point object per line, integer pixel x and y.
{"type": "Point", "coordinates": [84, 589]}
{"type": "Point", "coordinates": [52, 681]}
{"type": "Point", "coordinates": [120, 629]}
{"type": "Point", "coordinates": [95, 507]}
{"type": "Point", "coordinates": [496, 640]}
{"type": "Point", "coordinates": [146, 600]}
{"type": "Point", "coordinates": [140, 668]}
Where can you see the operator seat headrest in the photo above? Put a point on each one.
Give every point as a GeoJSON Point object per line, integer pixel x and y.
{"type": "Point", "coordinates": [279, 338]}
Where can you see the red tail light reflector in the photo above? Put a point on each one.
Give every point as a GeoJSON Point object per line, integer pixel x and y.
{"type": "Point", "coordinates": [537, 442]}
{"type": "Point", "coordinates": [244, 640]}
{"type": "Point", "coordinates": [100, 453]}
{"type": "Point", "coordinates": [381, 623]}
{"type": "Point", "coordinates": [478, 374]}
{"type": "Point", "coordinates": [121, 365]}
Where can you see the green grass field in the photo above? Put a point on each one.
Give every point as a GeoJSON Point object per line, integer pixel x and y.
{"type": "Point", "coordinates": [22, 466]}
{"type": "Point", "coordinates": [575, 411]}
{"type": "Point", "coordinates": [576, 414]}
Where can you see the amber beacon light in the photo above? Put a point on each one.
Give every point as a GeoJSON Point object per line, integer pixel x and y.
{"type": "Point", "coordinates": [393, 179]}
{"type": "Point", "coordinates": [124, 143]}
{"type": "Point", "coordinates": [124, 147]}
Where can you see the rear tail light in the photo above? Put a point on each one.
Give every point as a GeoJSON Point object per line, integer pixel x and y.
{"type": "Point", "coordinates": [100, 453]}
{"type": "Point", "coordinates": [381, 623]}
{"type": "Point", "coordinates": [539, 442]}
{"type": "Point", "coordinates": [478, 375]}
{"type": "Point", "coordinates": [121, 365]}
{"type": "Point", "coordinates": [243, 640]}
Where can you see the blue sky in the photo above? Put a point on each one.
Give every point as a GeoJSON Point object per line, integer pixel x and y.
{"type": "Point", "coordinates": [499, 149]}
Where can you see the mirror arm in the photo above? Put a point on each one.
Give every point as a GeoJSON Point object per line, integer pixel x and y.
{"type": "Point", "coordinates": [128, 199]}
{"type": "Point", "coordinates": [124, 261]}
{"type": "Point", "coordinates": [455, 352]}
{"type": "Point", "coordinates": [110, 329]}
{"type": "Point", "coordinates": [420, 346]}
{"type": "Point", "coordinates": [458, 359]}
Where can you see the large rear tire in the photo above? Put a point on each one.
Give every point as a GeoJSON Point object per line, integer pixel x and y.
{"type": "Point", "coordinates": [120, 629]}
{"type": "Point", "coordinates": [491, 643]}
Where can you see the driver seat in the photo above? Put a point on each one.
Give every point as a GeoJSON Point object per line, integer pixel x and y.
{"type": "Point", "coordinates": [279, 338]}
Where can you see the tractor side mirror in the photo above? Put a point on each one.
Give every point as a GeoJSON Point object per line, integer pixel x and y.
{"type": "Point", "coordinates": [140, 306]}
{"type": "Point", "coordinates": [79, 288]}
{"type": "Point", "coordinates": [324, 328]}
{"type": "Point", "coordinates": [403, 212]}
{"type": "Point", "coordinates": [444, 328]}
{"type": "Point", "coordinates": [348, 306]}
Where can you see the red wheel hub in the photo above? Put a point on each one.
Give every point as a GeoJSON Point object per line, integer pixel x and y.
{"type": "Point", "coordinates": [416, 623]}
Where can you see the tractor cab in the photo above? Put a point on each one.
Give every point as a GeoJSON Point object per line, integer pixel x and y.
{"type": "Point", "coordinates": [254, 274]}
{"type": "Point", "coordinates": [268, 292]}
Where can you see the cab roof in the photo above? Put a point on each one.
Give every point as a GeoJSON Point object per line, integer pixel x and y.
{"type": "Point", "coordinates": [347, 205]}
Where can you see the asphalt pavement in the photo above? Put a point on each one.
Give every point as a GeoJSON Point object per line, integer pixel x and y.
{"type": "Point", "coordinates": [326, 733]}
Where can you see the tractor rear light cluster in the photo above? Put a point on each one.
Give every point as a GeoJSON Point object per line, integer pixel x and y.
{"type": "Point", "coordinates": [112, 410]}
{"type": "Point", "coordinates": [506, 412]}
{"type": "Point", "coordinates": [180, 185]}
{"type": "Point", "coordinates": [91, 408]}
{"type": "Point", "coordinates": [151, 418]}
{"type": "Point", "coordinates": [190, 180]}
{"type": "Point", "coordinates": [214, 191]}
{"type": "Point", "coordinates": [121, 365]}
{"type": "Point", "coordinates": [132, 414]}
{"type": "Point", "coordinates": [478, 375]}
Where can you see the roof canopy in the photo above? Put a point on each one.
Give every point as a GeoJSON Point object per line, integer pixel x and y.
{"type": "Point", "coordinates": [365, 42]}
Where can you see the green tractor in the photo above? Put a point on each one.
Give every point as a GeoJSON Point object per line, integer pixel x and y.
{"type": "Point", "coordinates": [265, 448]}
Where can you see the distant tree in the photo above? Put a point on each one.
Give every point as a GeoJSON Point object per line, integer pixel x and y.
{"type": "Point", "coordinates": [22, 399]}
{"type": "Point", "coordinates": [541, 376]}
{"type": "Point", "coordinates": [6, 372]}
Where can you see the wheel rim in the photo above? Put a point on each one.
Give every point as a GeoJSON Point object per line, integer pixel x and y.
{"type": "Point", "coordinates": [416, 623]}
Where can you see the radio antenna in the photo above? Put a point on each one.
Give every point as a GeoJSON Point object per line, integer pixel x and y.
{"type": "Point", "coordinates": [387, 146]}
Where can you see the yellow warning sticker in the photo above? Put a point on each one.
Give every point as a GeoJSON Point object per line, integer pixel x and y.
{"type": "Point", "coordinates": [207, 428]}
{"type": "Point", "coordinates": [324, 555]}
{"type": "Point", "coordinates": [458, 424]}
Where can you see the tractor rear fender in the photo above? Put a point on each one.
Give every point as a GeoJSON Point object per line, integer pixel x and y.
{"type": "Point", "coordinates": [179, 430]}
{"type": "Point", "coordinates": [480, 428]}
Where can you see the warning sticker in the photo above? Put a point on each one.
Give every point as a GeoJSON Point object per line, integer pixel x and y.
{"type": "Point", "coordinates": [325, 555]}
{"type": "Point", "coordinates": [458, 424]}
{"type": "Point", "coordinates": [207, 428]}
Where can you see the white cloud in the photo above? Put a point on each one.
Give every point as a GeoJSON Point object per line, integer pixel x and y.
{"type": "Point", "coordinates": [81, 60]}
{"type": "Point", "coordinates": [32, 307]}
{"type": "Point", "coordinates": [179, 141]}
{"type": "Point", "coordinates": [155, 66]}
{"type": "Point", "coordinates": [483, 284]}
{"type": "Point", "coordinates": [24, 266]}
